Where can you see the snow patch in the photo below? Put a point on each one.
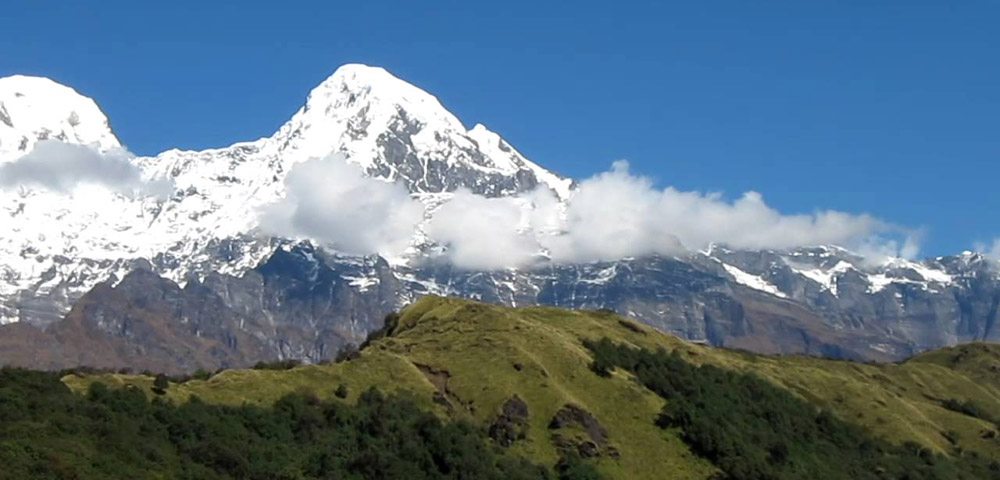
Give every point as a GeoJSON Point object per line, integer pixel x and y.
{"type": "Point", "coordinates": [363, 284]}
{"type": "Point", "coordinates": [878, 282]}
{"type": "Point", "coordinates": [929, 274]}
{"type": "Point", "coordinates": [889, 275]}
{"type": "Point", "coordinates": [826, 278]}
{"type": "Point", "coordinates": [753, 281]}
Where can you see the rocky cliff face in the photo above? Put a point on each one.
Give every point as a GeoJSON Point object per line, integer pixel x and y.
{"type": "Point", "coordinates": [305, 303]}
{"type": "Point", "coordinates": [201, 285]}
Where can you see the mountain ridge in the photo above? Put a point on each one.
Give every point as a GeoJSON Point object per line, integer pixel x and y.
{"type": "Point", "coordinates": [821, 300]}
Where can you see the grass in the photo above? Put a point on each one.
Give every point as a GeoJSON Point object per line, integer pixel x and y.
{"type": "Point", "coordinates": [491, 353]}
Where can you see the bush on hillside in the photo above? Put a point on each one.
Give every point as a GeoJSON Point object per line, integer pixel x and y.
{"type": "Point", "coordinates": [287, 364]}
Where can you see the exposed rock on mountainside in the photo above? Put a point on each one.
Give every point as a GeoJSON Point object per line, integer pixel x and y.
{"type": "Point", "coordinates": [511, 424]}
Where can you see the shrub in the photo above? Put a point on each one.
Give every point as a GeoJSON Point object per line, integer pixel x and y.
{"type": "Point", "coordinates": [287, 364]}
{"type": "Point", "coordinates": [160, 384]}
{"type": "Point", "coordinates": [347, 352]}
{"type": "Point", "coordinates": [341, 391]}
{"type": "Point", "coordinates": [389, 324]}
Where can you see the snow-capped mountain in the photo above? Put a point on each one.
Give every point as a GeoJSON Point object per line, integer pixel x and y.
{"type": "Point", "coordinates": [59, 244]}
{"type": "Point", "coordinates": [295, 300]}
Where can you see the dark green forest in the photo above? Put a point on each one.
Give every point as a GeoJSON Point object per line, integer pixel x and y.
{"type": "Point", "coordinates": [753, 430]}
{"type": "Point", "coordinates": [47, 432]}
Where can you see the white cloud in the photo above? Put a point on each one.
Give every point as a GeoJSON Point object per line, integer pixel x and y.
{"type": "Point", "coordinates": [876, 250]}
{"type": "Point", "coordinates": [483, 233]}
{"type": "Point", "coordinates": [610, 216]}
{"type": "Point", "coordinates": [60, 167]}
{"type": "Point", "coordinates": [990, 250]}
{"type": "Point", "coordinates": [617, 214]}
{"type": "Point", "coordinates": [331, 202]}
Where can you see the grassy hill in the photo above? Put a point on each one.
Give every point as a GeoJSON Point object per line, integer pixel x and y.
{"type": "Point", "coordinates": [464, 359]}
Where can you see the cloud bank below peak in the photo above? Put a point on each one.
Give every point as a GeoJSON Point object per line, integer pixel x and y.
{"type": "Point", "coordinates": [612, 215]}
{"type": "Point", "coordinates": [991, 250]}
{"type": "Point", "coordinates": [331, 202]}
{"type": "Point", "coordinates": [617, 214]}
{"type": "Point", "coordinates": [60, 167]}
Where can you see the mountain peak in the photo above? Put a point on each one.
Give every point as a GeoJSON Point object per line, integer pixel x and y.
{"type": "Point", "coordinates": [351, 110]}
{"type": "Point", "coordinates": [363, 86]}
{"type": "Point", "coordinates": [397, 131]}
{"type": "Point", "coordinates": [38, 108]}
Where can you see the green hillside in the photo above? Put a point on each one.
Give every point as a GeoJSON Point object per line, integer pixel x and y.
{"type": "Point", "coordinates": [467, 360]}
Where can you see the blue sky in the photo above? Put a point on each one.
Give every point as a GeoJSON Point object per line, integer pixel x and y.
{"type": "Point", "coordinates": [891, 109]}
